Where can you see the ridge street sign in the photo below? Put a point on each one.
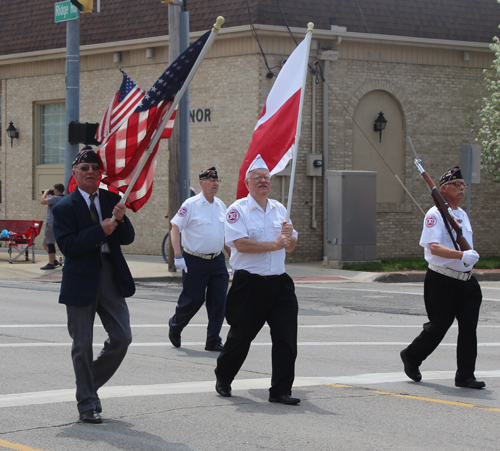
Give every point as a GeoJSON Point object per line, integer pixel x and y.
{"type": "Point", "coordinates": [65, 11]}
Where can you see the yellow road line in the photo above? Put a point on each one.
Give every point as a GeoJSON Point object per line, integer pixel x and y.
{"type": "Point", "coordinates": [17, 446]}
{"type": "Point", "coordinates": [419, 398]}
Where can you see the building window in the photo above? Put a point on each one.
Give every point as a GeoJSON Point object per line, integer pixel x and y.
{"type": "Point", "coordinates": [52, 133]}
{"type": "Point", "coordinates": [50, 144]}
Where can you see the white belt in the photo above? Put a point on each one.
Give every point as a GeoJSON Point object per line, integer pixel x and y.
{"type": "Point", "coordinates": [205, 256]}
{"type": "Point", "coordinates": [464, 276]}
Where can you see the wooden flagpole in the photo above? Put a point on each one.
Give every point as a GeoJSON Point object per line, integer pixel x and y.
{"type": "Point", "coordinates": [157, 134]}
{"type": "Point", "coordinates": [308, 37]}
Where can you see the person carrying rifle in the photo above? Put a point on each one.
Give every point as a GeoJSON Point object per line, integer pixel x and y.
{"type": "Point", "coordinates": [450, 289]}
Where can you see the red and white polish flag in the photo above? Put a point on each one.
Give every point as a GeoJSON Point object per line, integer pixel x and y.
{"type": "Point", "coordinates": [274, 135]}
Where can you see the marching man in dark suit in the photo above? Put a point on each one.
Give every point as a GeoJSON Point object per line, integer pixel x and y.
{"type": "Point", "coordinates": [96, 278]}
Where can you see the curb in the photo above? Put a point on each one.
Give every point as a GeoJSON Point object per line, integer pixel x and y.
{"type": "Point", "coordinates": [400, 277]}
{"type": "Point", "coordinates": [159, 279]}
{"type": "Point", "coordinates": [493, 276]}
{"type": "Point", "coordinates": [481, 276]}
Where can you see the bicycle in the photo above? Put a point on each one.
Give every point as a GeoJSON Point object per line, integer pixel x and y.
{"type": "Point", "coordinates": [165, 244]}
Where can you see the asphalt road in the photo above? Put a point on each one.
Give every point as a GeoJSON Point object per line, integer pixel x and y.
{"type": "Point", "coordinates": [354, 393]}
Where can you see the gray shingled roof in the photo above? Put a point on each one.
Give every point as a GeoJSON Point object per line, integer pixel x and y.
{"type": "Point", "coordinates": [28, 25]}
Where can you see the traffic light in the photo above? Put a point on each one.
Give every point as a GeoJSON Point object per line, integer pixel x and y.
{"type": "Point", "coordinates": [84, 6]}
{"type": "Point", "coordinates": [79, 133]}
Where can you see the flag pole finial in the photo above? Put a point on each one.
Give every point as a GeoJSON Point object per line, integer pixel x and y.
{"type": "Point", "coordinates": [310, 27]}
{"type": "Point", "coordinates": [218, 24]}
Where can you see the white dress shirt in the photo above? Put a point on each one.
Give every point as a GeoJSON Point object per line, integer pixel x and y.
{"type": "Point", "coordinates": [201, 224]}
{"type": "Point", "coordinates": [246, 219]}
{"type": "Point", "coordinates": [434, 231]}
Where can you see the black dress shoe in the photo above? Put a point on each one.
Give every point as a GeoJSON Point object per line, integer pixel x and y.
{"type": "Point", "coordinates": [411, 370]}
{"type": "Point", "coordinates": [219, 347]}
{"type": "Point", "coordinates": [223, 389]}
{"type": "Point", "coordinates": [175, 339]}
{"type": "Point", "coordinates": [470, 383]}
{"type": "Point", "coordinates": [90, 416]}
{"type": "Point", "coordinates": [285, 399]}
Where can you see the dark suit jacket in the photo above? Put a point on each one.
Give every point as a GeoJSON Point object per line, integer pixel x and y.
{"type": "Point", "coordinates": [79, 239]}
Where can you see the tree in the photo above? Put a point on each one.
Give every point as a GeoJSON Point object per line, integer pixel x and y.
{"type": "Point", "coordinates": [489, 114]}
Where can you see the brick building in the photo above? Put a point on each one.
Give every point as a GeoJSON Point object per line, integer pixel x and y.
{"type": "Point", "coordinates": [420, 62]}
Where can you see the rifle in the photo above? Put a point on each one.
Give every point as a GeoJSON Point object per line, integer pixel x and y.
{"type": "Point", "coordinates": [446, 212]}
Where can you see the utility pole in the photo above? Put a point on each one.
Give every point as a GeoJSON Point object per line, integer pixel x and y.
{"type": "Point", "coordinates": [72, 90]}
{"type": "Point", "coordinates": [73, 79]}
{"type": "Point", "coordinates": [174, 167]}
{"type": "Point", "coordinates": [185, 165]}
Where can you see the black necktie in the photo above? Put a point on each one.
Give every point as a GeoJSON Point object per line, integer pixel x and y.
{"type": "Point", "coordinates": [93, 210]}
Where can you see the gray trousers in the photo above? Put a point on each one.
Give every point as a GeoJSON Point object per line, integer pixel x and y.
{"type": "Point", "coordinates": [112, 309]}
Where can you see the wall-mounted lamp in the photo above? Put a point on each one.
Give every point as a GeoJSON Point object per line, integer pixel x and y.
{"type": "Point", "coordinates": [12, 132]}
{"type": "Point", "coordinates": [150, 52]}
{"type": "Point", "coordinates": [380, 124]}
{"type": "Point", "coordinates": [117, 57]}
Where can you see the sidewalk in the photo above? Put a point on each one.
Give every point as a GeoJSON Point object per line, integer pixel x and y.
{"type": "Point", "coordinates": [152, 268]}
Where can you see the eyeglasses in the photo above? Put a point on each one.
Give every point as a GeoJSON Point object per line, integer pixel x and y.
{"type": "Point", "coordinates": [85, 168]}
{"type": "Point", "coordinates": [262, 177]}
{"type": "Point", "coordinates": [213, 180]}
{"type": "Point", "coordinates": [457, 184]}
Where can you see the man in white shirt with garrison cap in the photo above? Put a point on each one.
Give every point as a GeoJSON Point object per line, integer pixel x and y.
{"type": "Point", "coordinates": [200, 222]}
{"type": "Point", "coordinates": [259, 237]}
{"type": "Point", "coordinates": [450, 289]}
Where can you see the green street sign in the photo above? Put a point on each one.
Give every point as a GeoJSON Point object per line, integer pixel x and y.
{"type": "Point", "coordinates": [65, 11]}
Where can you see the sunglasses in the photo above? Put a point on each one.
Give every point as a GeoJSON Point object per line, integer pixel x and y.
{"type": "Point", "coordinates": [86, 168]}
{"type": "Point", "coordinates": [457, 184]}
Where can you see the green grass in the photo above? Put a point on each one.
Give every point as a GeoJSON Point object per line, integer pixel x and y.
{"type": "Point", "coordinates": [414, 264]}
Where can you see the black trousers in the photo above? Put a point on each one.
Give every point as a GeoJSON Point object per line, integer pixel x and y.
{"type": "Point", "coordinates": [251, 302]}
{"type": "Point", "coordinates": [205, 282]}
{"type": "Point", "coordinates": [446, 299]}
{"type": "Point", "coordinates": [112, 309]}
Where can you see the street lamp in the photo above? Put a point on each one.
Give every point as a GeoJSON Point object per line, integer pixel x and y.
{"type": "Point", "coordinates": [380, 124]}
{"type": "Point", "coordinates": [12, 132]}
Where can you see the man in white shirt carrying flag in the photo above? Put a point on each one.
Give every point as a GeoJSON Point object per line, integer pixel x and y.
{"type": "Point", "coordinates": [261, 291]}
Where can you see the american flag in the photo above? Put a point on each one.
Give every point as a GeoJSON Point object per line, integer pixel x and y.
{"type": "Point", "coordinates": [121, 107]}
{"type": "Point", "coordinates": [122, 151]}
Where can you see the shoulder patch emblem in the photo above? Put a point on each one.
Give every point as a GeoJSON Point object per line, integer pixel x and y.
{"type": "Point", "coordinates": [431, 221]}
{"type": "Point", "coordinates": [232, 216]}
{"type": "Point", "coordinates": [182, 211]}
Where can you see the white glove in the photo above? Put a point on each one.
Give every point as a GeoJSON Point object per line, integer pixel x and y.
{"type": "Point", "coordinates": [180, 263]}
{"type": "Point", "coordinates": [470, 257]}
